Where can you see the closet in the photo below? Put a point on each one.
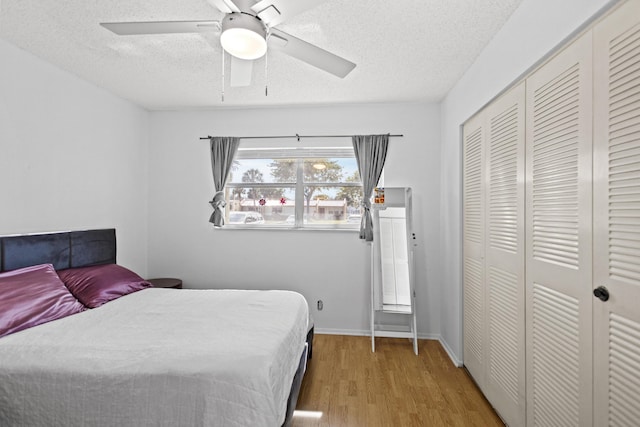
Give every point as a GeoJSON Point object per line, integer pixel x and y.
{"type": "Point", "coordinates": [551, 260]}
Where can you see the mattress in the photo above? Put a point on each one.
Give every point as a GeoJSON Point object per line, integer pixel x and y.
{"type": "Point", "coordinates": [158, 357]}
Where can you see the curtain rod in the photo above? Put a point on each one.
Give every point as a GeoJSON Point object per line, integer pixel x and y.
{"type": "Point", "coordinates": [297, 136]}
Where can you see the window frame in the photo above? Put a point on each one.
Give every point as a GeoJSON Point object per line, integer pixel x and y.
{"type": "Point", "coordinates": [300, 155]}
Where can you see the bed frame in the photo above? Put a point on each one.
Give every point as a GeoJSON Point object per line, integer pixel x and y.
{"type": "Point", "coordinates": [74, 249]}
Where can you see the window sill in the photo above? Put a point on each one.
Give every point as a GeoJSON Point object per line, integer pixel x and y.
{"type": "Point", "coordinates": [288, 229]}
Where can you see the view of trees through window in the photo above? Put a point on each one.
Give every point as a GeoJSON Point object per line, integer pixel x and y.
{"type": "Point", "coordinates": [296, 192]}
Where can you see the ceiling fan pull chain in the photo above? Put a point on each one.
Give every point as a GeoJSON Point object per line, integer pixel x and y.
{"type": "Point", "coordinates": [222, 94]}
{"type": "Point", "coordinates": [266, 73]}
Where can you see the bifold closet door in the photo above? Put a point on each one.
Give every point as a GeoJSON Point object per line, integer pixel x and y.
{"type": "Point", "coordinates": [559, 239]}
{"type": "Point", "coordinates": [473, 250]}
{"type": "Point", "coordinates": [504, 256]}
{"type": "Point", "coordinates": [617, 218]}
{"type": "Point", "coordinates": [494, 253]}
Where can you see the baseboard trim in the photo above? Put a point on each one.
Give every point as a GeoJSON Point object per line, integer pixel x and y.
{"type": "Point", "coordinates": [354, 332]}
{"type": "Point", "coordinates": [451, 354]}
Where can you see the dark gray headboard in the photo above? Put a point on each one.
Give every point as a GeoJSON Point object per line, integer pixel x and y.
{"type": "Point", "coordinates": [64, 250]}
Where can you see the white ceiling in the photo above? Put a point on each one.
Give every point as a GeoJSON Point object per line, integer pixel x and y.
{"type": "Point", "coordinates": [405, 50]}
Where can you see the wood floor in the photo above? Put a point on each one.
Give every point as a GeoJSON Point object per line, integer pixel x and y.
{"type": "Point", "coordinates": [348, 385]}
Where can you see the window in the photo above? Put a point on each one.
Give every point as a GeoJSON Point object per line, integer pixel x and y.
{"type": "Point", "coordinates": [291, 184]}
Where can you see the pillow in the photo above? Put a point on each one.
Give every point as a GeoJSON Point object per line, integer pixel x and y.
{"type": "Point", "coordinates": [96, 285]}
{"type": "Point", "coordinates": [31, 296]}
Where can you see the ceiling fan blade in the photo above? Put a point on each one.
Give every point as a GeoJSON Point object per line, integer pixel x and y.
{"type": "Point", "coordinates": [224, 6]}
{"type": "Point", "coordinates": [241, 71]}
{"type": "Point", "coordinates": [274, 12]}
{"type": "Point", "coordinates": [313, 55]}
{"type": "Point", "coordinates": [164, 27]}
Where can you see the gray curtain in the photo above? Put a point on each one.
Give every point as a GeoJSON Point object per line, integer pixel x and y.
{"type": "Point", "coordinates": [223, 149]}
{"type": "Point", "coordinates": [371, 153]}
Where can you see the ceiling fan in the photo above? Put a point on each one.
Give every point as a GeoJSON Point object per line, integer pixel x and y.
{"type": "Point", "coordinates": [246, 31]}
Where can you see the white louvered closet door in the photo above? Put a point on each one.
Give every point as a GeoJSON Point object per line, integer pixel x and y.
{"type": "Point", "coordinates": [473, 250]}
{"type": "Point", "coordinates": [504, 256]}
{"type": "Point", "coordinates": [617, 218]}
{"type": "Point", "coordinates": [494, 328]}
{"type": "Point", "coordinates": [559, 239]}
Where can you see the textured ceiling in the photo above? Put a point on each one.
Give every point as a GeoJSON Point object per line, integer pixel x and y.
{"type": "Point", "coordinates": [405, 50]}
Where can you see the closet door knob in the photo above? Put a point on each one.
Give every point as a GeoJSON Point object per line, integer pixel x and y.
{"type": "Point", "coordinates": [601, 292]}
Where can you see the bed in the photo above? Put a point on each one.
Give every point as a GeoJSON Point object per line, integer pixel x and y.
{"type": "Point", "coordinates": [149, 357]}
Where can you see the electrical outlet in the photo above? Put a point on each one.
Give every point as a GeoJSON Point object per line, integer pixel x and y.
{"type": "Point", "coordinates": [320, 305]}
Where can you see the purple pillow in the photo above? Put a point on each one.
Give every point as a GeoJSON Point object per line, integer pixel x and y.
{"type": "Point", "coordinates": [93, 286]}
{"type": "Point", "coordinates": [31, 296]}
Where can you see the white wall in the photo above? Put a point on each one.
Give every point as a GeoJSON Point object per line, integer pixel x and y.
{"type": "Point", "coordinates": [72, 156]}
{"type": "Point", "coordinates": [535, 28]}
{"type": "Point", "coordinates": [332, 266]}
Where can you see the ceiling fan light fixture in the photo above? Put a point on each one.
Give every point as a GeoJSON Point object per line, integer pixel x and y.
{"type": "Point", "coordinates": [243, 36]}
